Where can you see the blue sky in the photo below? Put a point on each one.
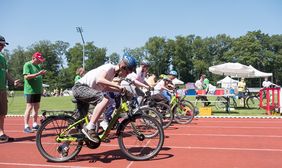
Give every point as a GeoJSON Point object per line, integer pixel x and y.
{"type": "Point", "coordinates": [116, 24]}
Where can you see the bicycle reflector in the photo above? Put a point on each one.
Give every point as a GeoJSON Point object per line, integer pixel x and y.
{"type": "Point", "coordinates": [186, 109]}
{"type": "Point", "coordinates": [177, 95]}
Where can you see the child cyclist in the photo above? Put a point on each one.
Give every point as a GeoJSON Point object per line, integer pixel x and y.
{"type": "Point", "coordinates": [165, 85]}
{"type": "Point", "coordinates": [138, 79]}
{"type": "Point", "coordinates": [92, 87]}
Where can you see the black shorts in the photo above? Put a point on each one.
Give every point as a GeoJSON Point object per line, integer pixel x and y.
{"type": "Point", "coordinates": [33, 98]}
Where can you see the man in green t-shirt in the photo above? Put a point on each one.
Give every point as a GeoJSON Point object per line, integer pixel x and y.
{"type": "Point", "coordinates": [4, 76]}
{"type": "Point", "coordinates": [33, 72]}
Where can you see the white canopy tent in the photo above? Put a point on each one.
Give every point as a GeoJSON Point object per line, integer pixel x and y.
{"type": "Point", "coordinates": [228, 82]}
{"type": "Point", "coordinates": [232, 69]}
{"type": "Point", "coordinates": [176, 81]}
{"type": "Point", "coordinates": [259, 74]}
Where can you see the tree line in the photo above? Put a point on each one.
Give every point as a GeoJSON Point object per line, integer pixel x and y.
{"type": "Point", "coordinates": [189, 55]}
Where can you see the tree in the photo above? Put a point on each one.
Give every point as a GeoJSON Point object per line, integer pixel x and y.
{"type": "Point", "coordinates": [157, 54]}
{"type": "Point", "coordinates": [113, 58]}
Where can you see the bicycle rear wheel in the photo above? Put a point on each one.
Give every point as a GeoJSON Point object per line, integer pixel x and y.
{"type": "Point", "coordinates": [53, 149]}
{"type": "Point", "coordinates": [133, 139]}
{"type": "Point", "coordinates": [253, 102]}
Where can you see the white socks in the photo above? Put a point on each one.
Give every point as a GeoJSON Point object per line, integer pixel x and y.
{"type": "Point", "coordinates": [90, 126]}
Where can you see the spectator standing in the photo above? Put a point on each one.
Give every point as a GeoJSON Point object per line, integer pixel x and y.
{"type": "Point", "coordinates": [4, 76]}
{"type": "Point", "coordinates": [241, 90]}
{"type": "Point", "coordinates": [33, 72]}
{"type": "Point", "coordinates": [202, 85]}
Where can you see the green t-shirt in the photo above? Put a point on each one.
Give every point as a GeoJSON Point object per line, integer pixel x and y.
{"type": "Point", "coordinates": [206, 83]}
{"type": "Point", "coordinates": [77, 77]}
{"type": "Point", "coordinates": [3, 70]}
{"type": "Point", "coordinates": [32, 86]}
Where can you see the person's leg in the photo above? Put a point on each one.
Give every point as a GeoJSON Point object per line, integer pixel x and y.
{"type": "Point", "coordinates": [99, 109]}
{"type": "Point", "coordinates": [36, 107]}
{"type": "Point", "coordinates": [2, 118]}
{"type": "Point", "coordinates": [166, 95]}
{"type": "Point", "coordinates": [29, 107]}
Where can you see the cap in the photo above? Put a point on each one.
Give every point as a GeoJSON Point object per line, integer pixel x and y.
{"type": "Point", "coordinates": [38, 56]}
{"type": "Point", "coordinates": [3, 41]}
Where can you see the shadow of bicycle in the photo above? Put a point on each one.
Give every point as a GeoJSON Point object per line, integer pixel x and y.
{"type": "Point", "coordinates": [113, 155]}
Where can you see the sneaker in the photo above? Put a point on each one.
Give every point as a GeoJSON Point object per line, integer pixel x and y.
{"type": "Point", "coordinates": [5, 138]}
{"type": "Point", "coordinates": [91, 135]}
{"type": "Point", "coordinates": [35, 128]}
{"type": "Point", "coordinates": [104, 124]}
{"type": "Point", "coordinates": [28, 130]}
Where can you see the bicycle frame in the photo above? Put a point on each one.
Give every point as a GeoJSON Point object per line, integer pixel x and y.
{"type": "Point", "coordinates": [117, 112]}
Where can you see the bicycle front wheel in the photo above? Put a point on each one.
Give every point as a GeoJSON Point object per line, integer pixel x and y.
{"type": "Point", "coordinates": [133, 139]}
{"type": "Point", "coordinates": [56, 147]}
{"type": "Point", "coordinates": [166, 113]}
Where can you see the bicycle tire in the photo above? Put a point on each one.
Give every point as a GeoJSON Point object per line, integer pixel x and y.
{"type": "Point", "coordinates": [166, 114]}
{"type": "Point", "coordinates": [184, 112]}
{"type": "Point", "coordinates": [135, 128]}
{"type": "Point", "coordinates": [151, 112]}
{"type": "Point", "coordinates": [220, 103]}
{"type": "Point", "coordinates": [47, 134]}
{"type": "Point", "coordinates": [253, 102]}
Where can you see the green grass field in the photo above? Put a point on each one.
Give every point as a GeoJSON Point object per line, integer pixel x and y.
{"type": "Point", "coordinates": [17, 105]}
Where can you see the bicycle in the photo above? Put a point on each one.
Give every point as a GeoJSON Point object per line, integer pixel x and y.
{"type": "Point", "coordinates": [60, 139]}
{"type": "Point", "coordinates": [179, 109]}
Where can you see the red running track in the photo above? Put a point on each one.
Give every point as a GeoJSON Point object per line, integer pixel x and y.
{"type": "Point", "coordinates": [205, 143]}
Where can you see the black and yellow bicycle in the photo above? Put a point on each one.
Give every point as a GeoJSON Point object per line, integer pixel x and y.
{"type": "Point", "coordinates": [140, 136]}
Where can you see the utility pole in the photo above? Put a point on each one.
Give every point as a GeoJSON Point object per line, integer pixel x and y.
{"type": "Point", "coordinates": [80, 30]}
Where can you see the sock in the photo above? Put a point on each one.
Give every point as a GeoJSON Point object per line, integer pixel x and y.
{"type": "Point", "coordinates": [90, 126]}
{"type": "Point", "coordinates": [34, 124]}
{"type": "Point", "coordinates": [26, 125]}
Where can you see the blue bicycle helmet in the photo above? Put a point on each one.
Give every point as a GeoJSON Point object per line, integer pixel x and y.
{"type": "Point", "coordinates": [145, 62]}
{"type": "Point", "coordinates": [174, 73]}
{"type": "Point", "coordinates": [130, 62]}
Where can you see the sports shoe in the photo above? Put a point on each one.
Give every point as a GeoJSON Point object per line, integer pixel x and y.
{"type": "Point", "coordinates": [5, 138]}
{"type": "Point", "coordinates": [91, 135]}
{"type": "Point", "coordinates": [35, 128]}
{"type": "Point", "coordinates": [104, 124]}
{"type": "Point", "coordinates": [28, 130]}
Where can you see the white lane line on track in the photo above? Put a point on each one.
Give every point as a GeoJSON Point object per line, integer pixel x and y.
{"type": "Point", "coordinates": [43, 165]}
{"type": "Point", "coordinates": [194, 147]}
{"type": "Point", "coordinates": [217, 148]}
{"type": "Point", "coordinates": [229, 135]}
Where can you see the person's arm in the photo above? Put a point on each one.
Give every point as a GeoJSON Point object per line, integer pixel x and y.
{"type": "Point", "coordinates": [140, 84]}
{"type": "Point", "coordinates": [109, 85]}
{"type": "Point", "coordinates": [31, 76]}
